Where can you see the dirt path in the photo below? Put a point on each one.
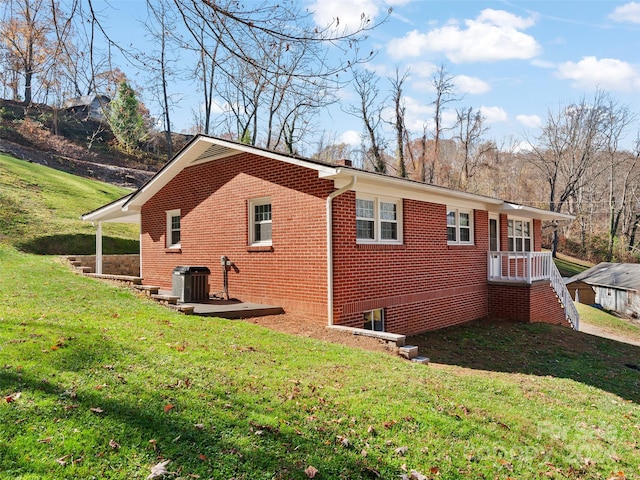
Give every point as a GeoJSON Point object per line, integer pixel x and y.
{"type": "Point", "coordinates": [600, 332]}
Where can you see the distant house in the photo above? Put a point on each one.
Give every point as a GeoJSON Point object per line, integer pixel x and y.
{"type": "Point", "coordinates": [615, 286]}
{"type": "Point", "coordinates": [90, 107]}
{"type": "Point", "coordinates": [348, 247]}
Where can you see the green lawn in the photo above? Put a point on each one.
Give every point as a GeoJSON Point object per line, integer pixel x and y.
{"type": "Point", "coordinates": [99, 383]}
{"type": "Point", "coordinates": [41, 210]}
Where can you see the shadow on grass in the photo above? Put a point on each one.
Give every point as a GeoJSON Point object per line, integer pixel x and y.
{"type": "Point", "coordinates": [537, 349]}
{"type": "Point", "coordinates": [220, 441]}
{"type": "Point", "coordinates": [77, 244]}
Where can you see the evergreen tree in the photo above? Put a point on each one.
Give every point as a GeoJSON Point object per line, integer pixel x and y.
{"type": "Point", "coordinates": [125, 119]}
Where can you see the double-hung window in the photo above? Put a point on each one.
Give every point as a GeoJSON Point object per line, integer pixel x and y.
{"type": "Point", "coordinates": [173, 229]}
{"type": "Point", "coordinates": [519, 233]}
{"type": "Point", "coordinates": [260, 221]}
{"type": "Point", "coordinates": [459, 226]}
{"type": "Point", "coordinates": [378, 220]}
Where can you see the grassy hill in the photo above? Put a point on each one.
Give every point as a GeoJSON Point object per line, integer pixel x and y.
{"type": "Point", "coordinates": [97, 382]}
{"type": "Point", "coordinates": [41, 210]}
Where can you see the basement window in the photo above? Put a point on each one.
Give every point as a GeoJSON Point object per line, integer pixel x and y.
{"type": "Point", "coordinates": [374, 320]}
{"type": "Point", "coordinates": [173, 229]}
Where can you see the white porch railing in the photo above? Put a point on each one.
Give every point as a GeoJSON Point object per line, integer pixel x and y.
{"type": "Point", "coordinates": [529, 267]}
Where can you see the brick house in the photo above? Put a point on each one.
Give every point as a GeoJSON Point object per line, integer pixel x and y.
{"type": "Point", "coordinates": [346, 246]}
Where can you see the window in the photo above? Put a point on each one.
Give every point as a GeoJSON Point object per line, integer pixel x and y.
{"type": "Point", "coordinates": [260, 221]}
{"type": "Point", "coordinates": [519, 233]}
{"type": "Point", "coordinates": [378, 220]}
{"type": "Point", "coordinates": [374, 320]}
{"type": "Point", "coordinates": [459, 227]}
{"type": "Point", "coordinates": [173, 229]}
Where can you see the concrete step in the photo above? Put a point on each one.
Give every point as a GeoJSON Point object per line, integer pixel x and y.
{"type": "Point", "coordinates": [75, 263]}
{"type": "Point", "coordinates": [168, 299]}
{"type": "Point", "coordinates": [422, 360]}
{"type": "Point", "coordinates": [408, 351]}
{"type": "Point", "coordinates": [147, 289]}
{"type": "Point", "coordinates": [83, 269]}
{"type": "Point", "coordinates": [186, 309]}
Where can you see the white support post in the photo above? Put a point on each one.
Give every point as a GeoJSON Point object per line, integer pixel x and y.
{"type": "Point", "coordinates": [99, 249]}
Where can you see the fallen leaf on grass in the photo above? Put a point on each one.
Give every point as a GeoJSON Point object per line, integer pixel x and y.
{"type": "Point", "coordinates": [13, 397]}
{"type": "Point", "coordinates": [402, 450]}
{"type": "Point", "coordinates": [311, 471]}
{"type": "Point", "coordinates": [96, 410]}
{"type": "Point", "coordinates": [45, 440]}
{"type": "Point", "coordinates": [63, 460]}
{"type": "Point", "coordinates": [159, 470]}
{"type": "Point", "coordinates": [199, 426]}
{"type": "Point", "coordinates": [168, 407]}
{"type": "Point", "coordinates": [202, 457]}
{"type": "Point", "coordinates": [618, 476]}
{"type": "Point", "coordinates": [113, 444]}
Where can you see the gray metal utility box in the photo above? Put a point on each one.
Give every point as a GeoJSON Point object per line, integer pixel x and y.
{"type": "Point", "coordinates": [191, 284]}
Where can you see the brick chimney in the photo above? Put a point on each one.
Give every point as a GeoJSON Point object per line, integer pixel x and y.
{"type": "Point", "coordinates": [344, 161]}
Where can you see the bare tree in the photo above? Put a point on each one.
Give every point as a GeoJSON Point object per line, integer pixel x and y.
{"type": "Point", "coordinates": [162, 63]}
{"type": "Point", "coordinates": [27, 37]}
{"type": "Point", "coordinates": [369, 110]}
{"type": "Point", "coordinates": [442, 83]}
{"type": "Point", "coordinates": [399, 123]}
{"type": "Point", "coordinates": [570, 143]}
{"type": "Point", "coordinates": [470, 130]}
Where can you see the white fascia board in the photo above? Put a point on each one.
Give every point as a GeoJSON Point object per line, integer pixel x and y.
{"type": "Point", "coordinates": [198, 152]}
{"type": "Point", "coordinates": [112, 212]}
{"type": "Point", "coordinates": [376, 184]}
{"type": "Point", "coordinates": [531, 212]}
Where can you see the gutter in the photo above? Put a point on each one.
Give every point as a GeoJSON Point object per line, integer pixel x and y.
{"type": "Point", "coordinates": [330, 198]}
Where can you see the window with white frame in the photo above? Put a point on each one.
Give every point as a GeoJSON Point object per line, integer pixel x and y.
{"type": "Point", "coordinates": [374, 320]}
{"type": "Point", "coordinates": [260, 221]}
{"type": "Point", "coordinates": [519, 233]}
{"type": "Point", "coordinates": [459, 226]}
{"type": "Point", "coordinates": [378, 220]}
{"type": "Point", "coordinates": [173, 229]}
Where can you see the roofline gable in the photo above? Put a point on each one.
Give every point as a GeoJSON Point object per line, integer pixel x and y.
{"type": "Point", "coordinates": [204, 148]}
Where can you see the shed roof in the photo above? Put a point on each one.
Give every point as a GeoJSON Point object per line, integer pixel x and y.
{"type": "Point", "coordinates": [622, 276]}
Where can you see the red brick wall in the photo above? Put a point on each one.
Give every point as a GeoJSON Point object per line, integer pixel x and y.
{"type": "Point", "coordinates": [423, 284]}
{"type": "Point", "coordinates": [213, 201]}
{"type": "Point", "coordinates": [526, 303]}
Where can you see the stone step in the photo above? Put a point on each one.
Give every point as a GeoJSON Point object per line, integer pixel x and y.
{"type": "Point", "coordinates": [147, 289]}
{"type": "Point", "coordinates": [422, 360]}
{"type": "Point", "coordinates": [186, 309]}
{"type": "Point", "coordinates": [168, 299]}
{"type": "Point", "coordinates": [83, 269]}
{"type": "Point", "coordinates": [408, 351]}
{"type": "Point", "coordinates": [75, 263]}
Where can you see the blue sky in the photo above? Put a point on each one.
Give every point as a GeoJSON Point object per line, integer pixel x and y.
{"type": "Point", "coordinates": [513, 60]}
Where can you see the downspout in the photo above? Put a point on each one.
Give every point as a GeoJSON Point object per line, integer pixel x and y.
{"type": "Point", "coordinates": [330, 198]}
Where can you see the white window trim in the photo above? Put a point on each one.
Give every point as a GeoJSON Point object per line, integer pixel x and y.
{"type": "Point", "coordinates": [170, 215]}
{"type": "Point", "coordinates": [530, 237]}
{"type": "Point", "coordinates": [458, 211]}
{"type": "Point", "coordinates": [254, 202]}
{"type": "Point", "coordinates": [372, 313]}
{"type": "Point", "coordinates": [377, 221]}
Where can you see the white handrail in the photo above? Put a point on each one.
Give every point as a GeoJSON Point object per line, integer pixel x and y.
{"type": "Point", "coordinates": [529, 267]}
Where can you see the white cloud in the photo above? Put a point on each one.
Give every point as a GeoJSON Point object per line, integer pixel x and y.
{"type": "Point", "coordinates": [530, 121]}
{"type": "Point", "coordinates": [473, 85]}
{"type": "Point", "coordinates": [350, 137]}
{"type": "Point", "coordinates": [493, 36]}
{"type": "Point", "coordinates": [606, 73]}
{"type": "Point", "coordinates": [629, 12]}
{"type": "Point", "coordinates": [341, 14]}
{"type": "Point", "coordinates": [494, 114]}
